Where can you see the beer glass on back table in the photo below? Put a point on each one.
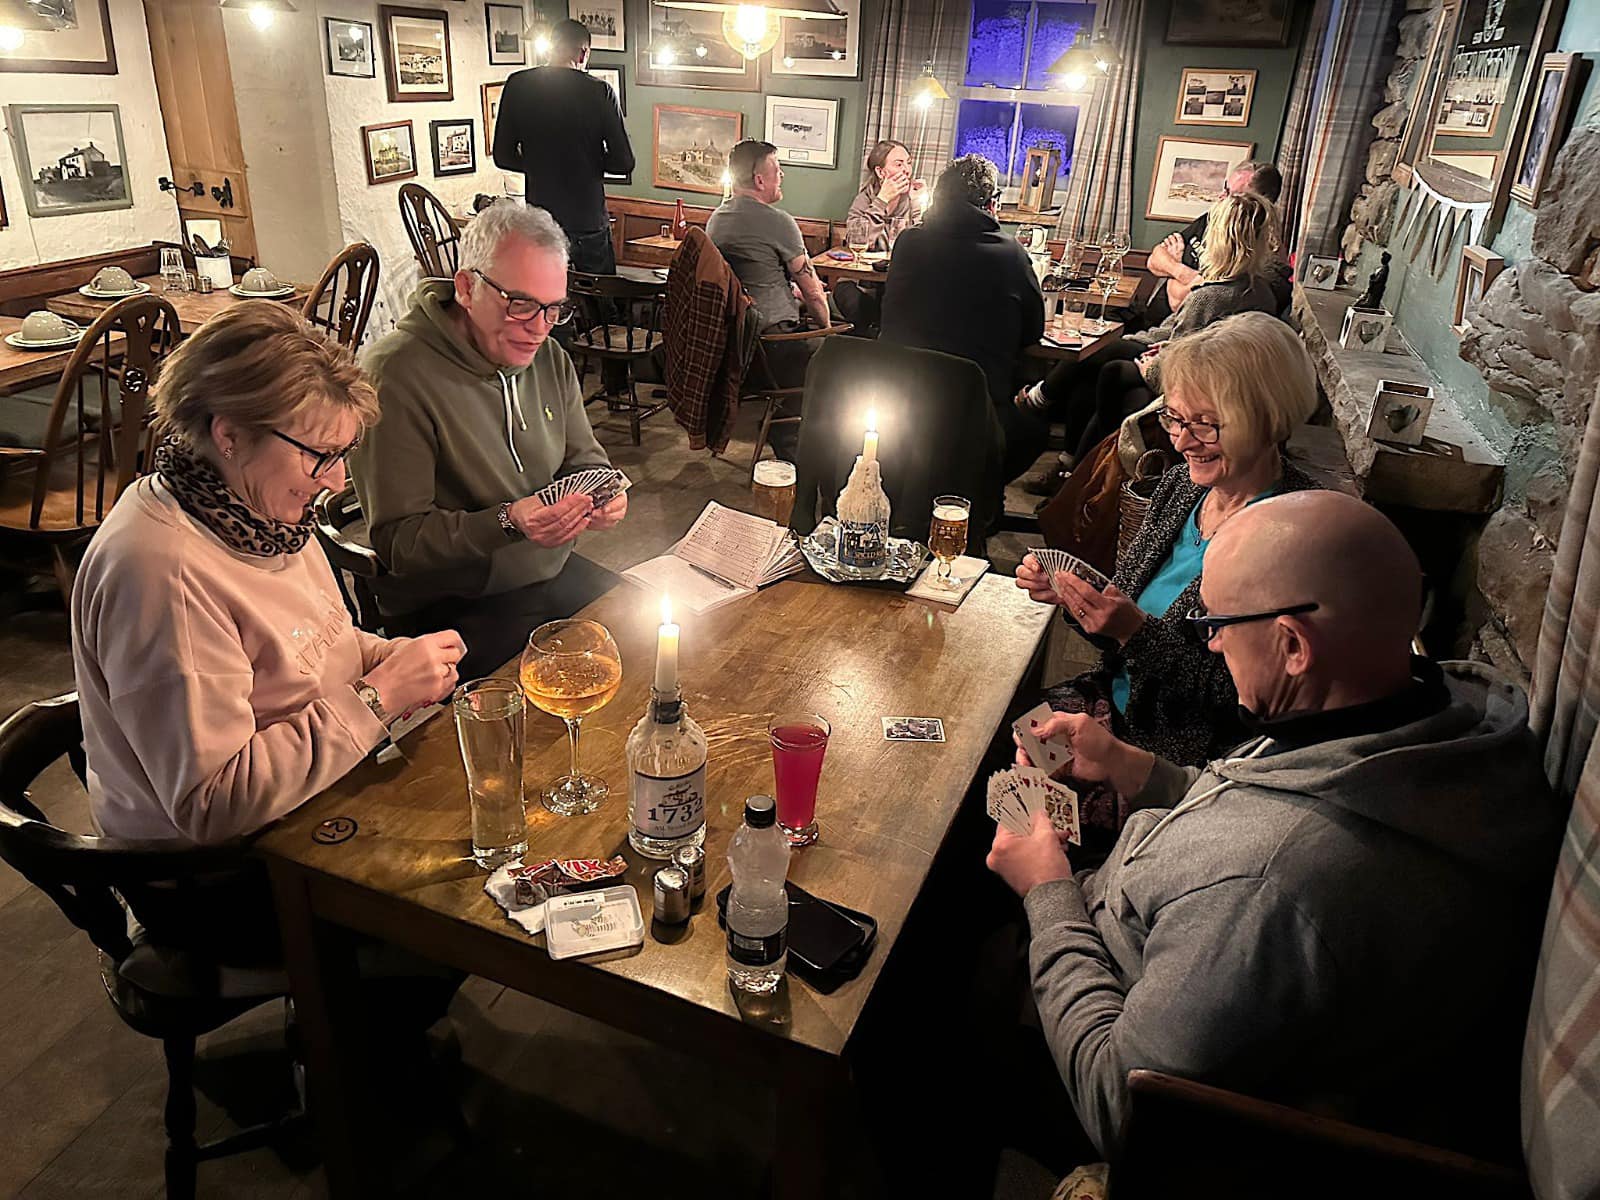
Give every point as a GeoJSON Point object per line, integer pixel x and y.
{"type": "Point", "coordinates": [947, 535]}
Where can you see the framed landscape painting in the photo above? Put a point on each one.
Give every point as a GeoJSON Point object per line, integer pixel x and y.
{"type": "Point", "coordinates": [1190, 174]}
{"type": "Point", "coordinates": [1229, 23]}
{"type": "Point", "coordinates": [685, 47]}
{"type": "Point", "coordinates": [1215, 97]}
{"type": "Point", "coordinates": [70, 157]}
{"type": "Point", "coordinates": [805, 130]}
{"type": "Point", "coordinates": [80, 44]}
{"type": "Point", "coordinates": [350, 48]}
{"type": "Point", "coordinates": [827, 48]}
{"type": "Point", "coordinates": [391, 151]}
{"type": "Point", "coordinates": [691, 147]}
{"type": "Point", "coordinates": [453, 151]}
{"type": "Point", "coordinates": [503, 23]}
{"type": "Point", "coordinates": [416, 53]}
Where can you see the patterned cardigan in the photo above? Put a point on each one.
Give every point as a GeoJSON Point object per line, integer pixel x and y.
{"type": "Point", "coordinates": [1181, 702]}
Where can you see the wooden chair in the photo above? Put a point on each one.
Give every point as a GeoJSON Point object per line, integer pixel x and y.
{"type": "Point", "coordinates": [435, 239]}
{"type": "Point", "coordinates": [163, 993]}
{"type": "Point", "coordinates": [342, 300]}
{"type": "Point", "coordinates": [621, 321]}
{"type": "Point", "coordinates": [1188, 1139]}
{"type": "Point", "coordinates": [760, 384]}
{"type": "Point", "coordinates": [55, 497]}
{"type": "Point", "coordinates": [341, 528]}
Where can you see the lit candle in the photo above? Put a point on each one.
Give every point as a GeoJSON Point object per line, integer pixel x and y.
{"type": "Point", "coordinates": [869, 448]}
{"type": "Point", "coordinates": [667, 651]}
{"type": "Point", "coordinates": [727, 185]}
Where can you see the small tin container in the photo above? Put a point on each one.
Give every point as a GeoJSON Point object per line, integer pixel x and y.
{"type": "Point", "coordinates": [672, 896]}
{"type": "Point", "coordinates": [202, 284]}
{"type": "Point", "coordinates": [691, 860]}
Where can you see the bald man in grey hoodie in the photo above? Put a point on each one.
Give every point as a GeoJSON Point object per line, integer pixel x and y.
{"type": "Point", "coordinates": [1343, 914]}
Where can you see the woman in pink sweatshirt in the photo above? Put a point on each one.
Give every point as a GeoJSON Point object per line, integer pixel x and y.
{"type": "Point", "coordinates": [221, 680]}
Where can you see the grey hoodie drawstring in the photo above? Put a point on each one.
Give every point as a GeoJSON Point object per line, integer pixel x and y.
{"type": "Point", "coordinates": [513, 403]}
{"type": "Point", "coordinates": [1194, 801]}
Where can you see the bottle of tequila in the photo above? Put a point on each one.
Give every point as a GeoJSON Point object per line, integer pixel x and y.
{"type": "Point", "coordinates": [666, 778]}
{"type": "Point", "coordinates": [863, 513]}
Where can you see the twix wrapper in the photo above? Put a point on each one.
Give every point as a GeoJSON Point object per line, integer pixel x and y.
{"type": "Point", "coordinates": [537, 882]}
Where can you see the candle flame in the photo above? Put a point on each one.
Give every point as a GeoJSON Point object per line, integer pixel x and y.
{"type": "Point", "coordinates": [666, 610]}
{"type": "Point", "coordinates": [872, 420]}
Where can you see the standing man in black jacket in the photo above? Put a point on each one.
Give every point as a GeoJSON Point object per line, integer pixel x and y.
{"type": "Point", "coordinates": [960, 285]}
{"type": "Point", "coordinates": [562, 128]}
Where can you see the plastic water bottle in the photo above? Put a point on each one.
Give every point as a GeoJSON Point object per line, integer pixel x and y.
{"type": "Point", "coordinates": [758, 906]}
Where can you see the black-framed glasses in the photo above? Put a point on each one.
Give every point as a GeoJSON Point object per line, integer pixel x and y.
{"type": "Point", "coordinates": [526, 308]}
{"type": "Point", "coordinates": [1204, 432]}
{"type": "Point", "coordinates": [1208, 625]}
{"type": "Point", "coordinates": [322, 461]}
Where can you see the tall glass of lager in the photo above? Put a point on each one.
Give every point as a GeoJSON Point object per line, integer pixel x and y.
{"type": "Point", "coordinates": [947, 536]}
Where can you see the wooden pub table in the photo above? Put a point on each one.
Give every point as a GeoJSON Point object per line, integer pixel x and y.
{"type": "Point", "coordinates": [194, 309]}
{"type": "Point", "coordinates": [834, 269]}
{"type": "Point", "coordinates": [24, 368]}
{"type": "Point", "coordinates": [1073, 352]}
{"type": "Point", "coordinates": [405, 874]}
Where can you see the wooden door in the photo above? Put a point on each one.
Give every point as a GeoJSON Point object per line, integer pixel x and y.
{"type": "Point", "coordinates": [195, 85]}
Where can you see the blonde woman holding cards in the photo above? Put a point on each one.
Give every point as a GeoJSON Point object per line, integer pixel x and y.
{"type": "Point", "coordinates": [1234, 393]}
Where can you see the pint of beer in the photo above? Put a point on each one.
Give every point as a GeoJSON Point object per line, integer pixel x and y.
{"type": "Point", "coordinates": [947, 536]}
{"type": "Point", "coordinates": [772, 487]}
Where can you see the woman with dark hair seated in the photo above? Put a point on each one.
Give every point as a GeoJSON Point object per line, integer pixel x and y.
{"type": "Point", "coordinates": [889, 202]}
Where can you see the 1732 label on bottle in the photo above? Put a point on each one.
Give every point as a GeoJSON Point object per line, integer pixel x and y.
{"type": "Point", "coordinates": [669, 808]}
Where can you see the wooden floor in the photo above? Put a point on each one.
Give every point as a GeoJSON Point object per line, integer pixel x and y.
{"type": "Point", "coordinates": [557, 1105]}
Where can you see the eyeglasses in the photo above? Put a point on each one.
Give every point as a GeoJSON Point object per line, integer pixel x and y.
{"type": "Point", "coordinates": [322, 461]}
{"type": "Point", "coordinates": [1204, 432]}
{"type": "Point", "coordinates": [526, 308]}
{"type": "Point", "coordinates": [1208, 625]}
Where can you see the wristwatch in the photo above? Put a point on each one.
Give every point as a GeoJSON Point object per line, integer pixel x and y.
{"type": "Point", "coordinates": [369, 697]}
{"type": "Point", "coordinates": [503, 513]}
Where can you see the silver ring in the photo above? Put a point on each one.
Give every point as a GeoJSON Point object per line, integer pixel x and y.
{"type": "Point", "coordinates": [1082, 612]}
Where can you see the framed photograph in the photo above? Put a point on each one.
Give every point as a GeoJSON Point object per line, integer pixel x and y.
{"type": "Point", "coordinates": [491, 110]}
{"type": "Point", "coordinates": [829, 48]}
{"type": "Point", "coordinates": [685, 47]}
{"type": "Point", "coordinates": [1480, 164]}
{"type": "Point", "coordinates": [81, 46]}
{"type": "Point", "coordinates": [1221, 97]}
{"type": "Point", "coordinates": [391, 151]}
{"type": "Point", "coordinates": [453, 150]}
{"type": "Point", "coordinates": [613, 76]}
{"type": "Point", "coordinates": [1229, 23]}
{"type": "Point", "coordinates": [603, 19]}
{"type": "Point", "coordinates": [1322, 272]}
{"type": "Point", "coordinates": [350, 48]}
{"type": "Point", "coordinates": [503, 22]}
{"type": "Point", "coordinates": [805, 131]}
{"type": "Point", "coordinates": [1552, 108]}
{"type": "Point", "coordinates": [691, 147]}
{"type": "Point", "coordinates": [1479, 268]}
{"type": "Point", "coordinates": [416, 53]}
{"type": "Point", "coordinates": [1189, 176]}
{"type": "Point", "coordinates": [1400, 412]}
{"type": "Point", "coordinates": [70, 157]}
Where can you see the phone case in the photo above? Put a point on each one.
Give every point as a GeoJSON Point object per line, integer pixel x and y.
{"type": "Point", "coordinates": [824, 977]}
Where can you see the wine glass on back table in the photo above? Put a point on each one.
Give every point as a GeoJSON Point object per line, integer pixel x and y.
{"type": "Point", "coordinates": [569, 670]}
{"type": "Point", "coordinates": [1106, 280]}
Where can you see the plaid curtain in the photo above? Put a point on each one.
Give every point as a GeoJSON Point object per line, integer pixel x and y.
{"type": "Point", "coordinates": [1561, 1056]}
{"type": "Point", "coordinates": [1296, 139]}
{"type": "Point", "coordinates": [910, 34]}
{"type": "Point", "coordinates": [1100, 188]}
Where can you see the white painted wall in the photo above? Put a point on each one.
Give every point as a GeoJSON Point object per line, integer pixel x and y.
{"type": "Point", "coordinates": [26, 241]}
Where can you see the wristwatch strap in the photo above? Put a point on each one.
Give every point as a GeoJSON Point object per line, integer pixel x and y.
{"type": "Point", "coordinates": [506, 523]}
{"type": "Point", "coordinates": [369, 697]}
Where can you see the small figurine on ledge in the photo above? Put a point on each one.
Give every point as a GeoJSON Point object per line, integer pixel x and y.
{"type": "Point", "coordinates": [1376, 282]}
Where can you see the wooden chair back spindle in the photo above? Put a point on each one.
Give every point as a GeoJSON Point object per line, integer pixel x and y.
{"type": "Point", "coordinates": [435, 240]}
{"type": "Point", "coordinates": [341, 302]}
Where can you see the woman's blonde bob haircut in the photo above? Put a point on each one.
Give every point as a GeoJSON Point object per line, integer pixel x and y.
{"type": "Point", "coordinates": [1241, 237]}
{"type": "Point", "coordinates": [1251, 371]}
{"type": "Point", "coordinates": [260, 365]}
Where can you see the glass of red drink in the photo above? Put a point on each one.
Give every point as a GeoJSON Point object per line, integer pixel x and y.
{"type": "Point", "coordinates": [799, 740]}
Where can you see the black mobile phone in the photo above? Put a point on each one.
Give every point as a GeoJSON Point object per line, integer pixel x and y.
{"type": "Point", "coordinates": [821, 935]}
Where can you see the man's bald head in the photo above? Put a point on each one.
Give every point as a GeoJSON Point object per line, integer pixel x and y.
{"type": "Point", "coordinates": [1324, 548]}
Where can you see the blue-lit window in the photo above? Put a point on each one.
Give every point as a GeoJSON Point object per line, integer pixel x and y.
{"type": "Point", "coordinates": [1011, 46]}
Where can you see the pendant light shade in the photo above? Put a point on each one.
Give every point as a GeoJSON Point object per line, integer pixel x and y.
{"type": "Point", "coordinates": [1074, 67]}
{"type": "Point", "coordinates": [927, 88]}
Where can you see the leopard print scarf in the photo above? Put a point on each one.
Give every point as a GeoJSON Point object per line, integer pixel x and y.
{"type": "Point", "coordinates": [204, 496]}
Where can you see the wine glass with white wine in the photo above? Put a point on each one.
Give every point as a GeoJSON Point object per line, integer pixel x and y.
{"type": "Point", "coordinates": [947, 536]}
{"type": "Point", "coordinates": [569, 670]}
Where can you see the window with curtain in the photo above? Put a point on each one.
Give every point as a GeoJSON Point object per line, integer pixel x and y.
{"type": "Point", "coordinates": [1008, 102]}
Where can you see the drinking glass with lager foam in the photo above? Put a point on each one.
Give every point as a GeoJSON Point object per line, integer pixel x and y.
{"type": "Point", "coordinates": [489, 719]}
{"type": "Point", "coordinates": [569, 670]}
{"type": "Point", "coordinates": [947, 536]}
{"type": "Point", "coordinates": [772, 487]}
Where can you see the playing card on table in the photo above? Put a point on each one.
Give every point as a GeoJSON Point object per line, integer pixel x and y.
{"type": "Point", "coordinates": [1051, 755]}
{"type": "Point", "coordinates": [1056, 561]}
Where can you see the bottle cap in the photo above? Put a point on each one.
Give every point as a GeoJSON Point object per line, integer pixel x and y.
{"type": "Point", "coordinates": [760, 812]}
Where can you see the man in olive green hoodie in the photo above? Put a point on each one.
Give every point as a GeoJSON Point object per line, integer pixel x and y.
{"type": "Point", "coordinates": [481, 409]}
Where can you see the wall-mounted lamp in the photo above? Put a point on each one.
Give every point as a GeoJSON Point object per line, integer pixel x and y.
{"type": "Point", "coordinates": [262, 12]}
{"type": "Point", "coordinates": [927, 88]}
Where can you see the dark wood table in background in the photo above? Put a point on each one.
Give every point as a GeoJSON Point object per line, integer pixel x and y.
{"type": "Point", "coordinates": [194, 309]}
{"type": "Point", "coordinates": [874, 270]}
{"type": "Point", "coordinates": [24, 368]}
{"type": "Point", "coordinates": [852, 654]}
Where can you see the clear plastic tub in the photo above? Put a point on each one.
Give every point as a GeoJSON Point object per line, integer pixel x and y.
{"type": "Point", "coordinates": [592, 922]}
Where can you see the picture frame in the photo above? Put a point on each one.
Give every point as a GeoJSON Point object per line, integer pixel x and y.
{"type": "Point", "coordinates": [1479, 268]}
{"type": "Point", "coordinates": [502, 29]}
{"type": "Point", "coordinates": [669, 53]}
{"type": "Point", "coordinates": [390, 152]}
{"type": "Point", "coordinates": [454, 151]}
{"type": "Point", "coordinates": [605, 20]}
{"type": "Point", "coordinates": [71, 158]}
{"type": "Point", "coordinates": [805, 130]}
{"type": "Point", "coordinates": [689, 146]}
{"type": "Point", "coordinates": [489, 94]}
{"type": "Point", "coordinates": [1229, 23]}
{"type": "Point", "coordinates": [416, 54]}
{"type": "Point", "coordinates": [1552, 100]}
{"type": "Point", "coordinates": [1215, 96]}
{"type": "Point", "coordinates": [1481, 164]}
{"type": "Point", "coordinates": [613, 76]}
{"type": "Point", "coordinates": [1322, 272]}
{"type": "Point", "coordinates": [826, 49]}
{"type": "Point", "coordinates": [351, 50]}
{"type": "Point", "coordinates": [84, 48]}
{"type": "Point", "coordinates": [1189, 176]}
{"type": "Point", "coordinates": [1400, 412]}
{"type": "Point", "coordinates": [4, 221]}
